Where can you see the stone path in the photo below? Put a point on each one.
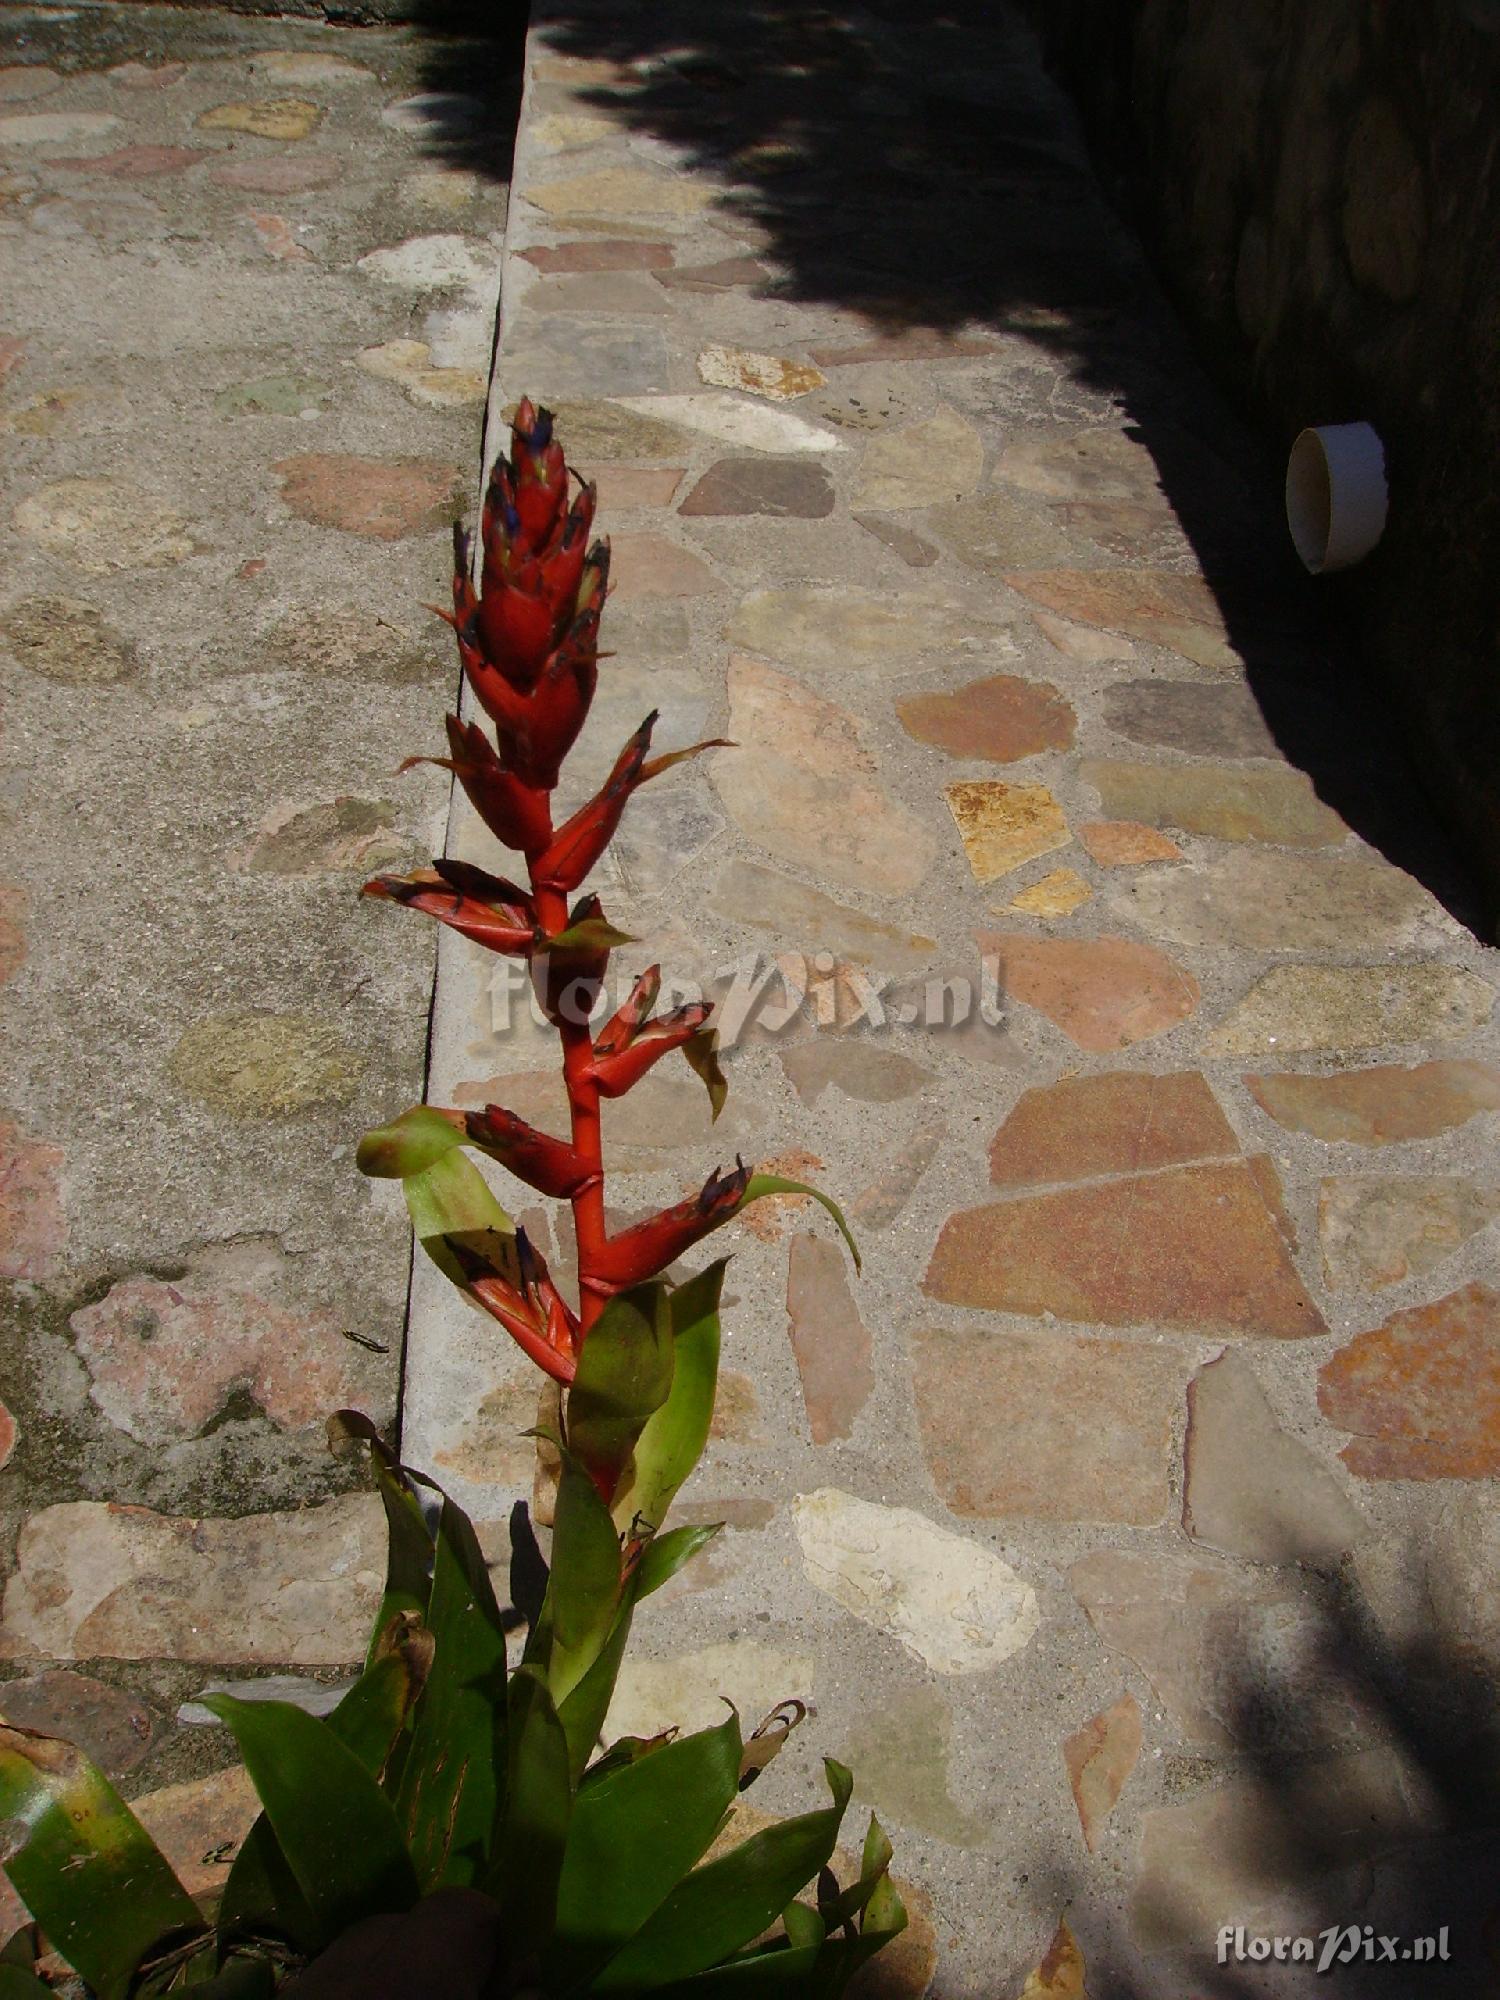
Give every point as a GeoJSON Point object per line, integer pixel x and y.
{"type": "Point", "coordinates": [1176, 1336]}
{"type": "Point", "coordinates": [238, 403]}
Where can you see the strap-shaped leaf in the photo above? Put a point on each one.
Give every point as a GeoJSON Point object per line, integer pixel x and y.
{"type": "Point", "coordinates": [786, 1973]}
{"type": "Point", "coordinates": [584, 1588]}
{"type": "Point", "coordinates": [624, 1376]}
{"type": "Point", "coordinates": [451, 1197]}
{"type": "Point", "coordinates": [18, 1984]}
{"type": "Point", "coordinates": [672, 1441]}
{"type": "Point", "coordinates": [723, 1905]}
{"type": "Point", "coordinates": [409, 1144]}
{"type": "Point", "coordinates": [83, 1864]}
{"type": "Point", "coordinates": [666, 1554]}
{"type": "Point", "coordinates": [450, 1782]}
{"type": "Point", "coordinates": [582, 1714]}
{"type": "Point", "coordinates": [760, 1185]}
{"type": "Point", "coordinates": [332, 1822]}
{"type": "Point", "coordinates": [533, 1834]}
{"type": "Point", "coordinates": [528, 1566]}
{"type": "Point", "coordinates": [702, 1053]}
{"type": "Point", "coordinates": [633, 1837]}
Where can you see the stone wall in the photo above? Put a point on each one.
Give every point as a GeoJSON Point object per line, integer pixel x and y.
{"type": "Point", "coordinates": [1321, 185]}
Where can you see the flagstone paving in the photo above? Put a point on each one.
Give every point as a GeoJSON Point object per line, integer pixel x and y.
{"type": "Point", "coordinates": [1177, 1314]}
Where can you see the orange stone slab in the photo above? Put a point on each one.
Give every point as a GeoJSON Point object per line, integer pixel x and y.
{"type": "Point", "coordinates": [1380, 1106]}
{"type": "Point", "coordinates": [1103, 993]}
{"type": "Point", "coordinates": [1099, 1758]}
{"type": "Point", "coordinates": [1001, 719]}
{"type": "Point", "coordinates": [829, 1339]}
{"type": "Point", "coordinates": [1122, 1123]}
{"type": "Point", "coordinates": [1081, 1430]}
{"type": "Point", "coordinates": [1125, 843]}
{"type": "Point", "coordinates": [1421, 1394]}
{"type": "Point", "coordinates": [1196, 1249]}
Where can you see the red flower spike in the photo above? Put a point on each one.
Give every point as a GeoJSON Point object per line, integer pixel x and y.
{"type": "Point", "coordinates": [538, 473]}
{"type": "Point", "coordinates": [493, 913]}
{"type": "Point", "coordinates": [617, 1073]}
{"type": "Point", "coordinates": [518, 815]}
{"type": "Point", "coordinates": [643, 1251]}
{"type": "Point", "coordinates": [625, 1025]}
{"type": "Point", "coordinates": [557, 706]}
{"type": "Point", "coordinates": [549, 1165]}
{"type": "Point", "coordinates": [517, 626]}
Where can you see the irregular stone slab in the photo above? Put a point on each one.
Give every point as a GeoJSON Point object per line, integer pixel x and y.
{"type": "Point", "coordinates": [1056, 895]}
{"type": "Point", "coordinates": [1094, 465]}
{"type": "Point", "coordinates": [96, 1581]}
{"type": "Point", "coordinates": [1061, 1973]}
{"type": "Point", "coordinates": [564, 132]}
{"type": "Point", "coordinates": [1199, 1249]}
{"type": "Point", "coordinates": [306, 66]}
{"type": "Point", "coordinates": [1203, 718]}
{"type": "Point", "coordinates": [1277, 805]}
{"type": "Point", "coordinates": [1421, 1394]}
{"type": "Point", "coordinates": [1381, 1232]}
{"type": "Point", "coordinates": [408, 363]}
{"type": "Point", "coordinates": [1001, 719]}
{"type": "Point", "coordinates": [830, 1341]}
{"type": "Point", "coordinates": [138, 162]}
{"type": "Point", "coordinates": [33, 1224]}
{"type": "Point", "coordinates": [901, 1753]}
{"type": "Point", "coordinates": [148, 76]}
{"type": "Point", "coordinates": [163, 1358]}
{"type": "Point", "coordinates": [269, 118]}
{"type": "Point", "coordinates": [786, 488]}
{"type": "Point", "coordinates": [435, 114]}
{"type": "Point", "coordinates": [901, 541]}
{"type": "Point", "coordinates": [870, 1075]}
{"type": "Point", "coordinates": [1236, 1658]}
{"type": "Point", "coordinates": [688, 1692]}
{"type": "Point", "coordinates": [1297, 1007]}
{"type": "Point", "coordinates": [651, 566]}
{"type": "Point", "coordinates": [1002, 825]}
{"type": "Point", "coordinates": [1127, 1121]}
{"type": "Point", "coordinates": [1078, 642]}
{"type": "Point", "coordinates": [801, 782]}
{"type": "Point", "coordinates": [1125, 843]}
{"type": "Point", "coordinates": [608, 430]}
{"type": "Point", "coordinates": [66, 640]}
{"type": "Point", "coordinates": [432, 263]}
{"type": "Point", "coordinates": [992, 532]}
{"type": "Point", "coordinates": [106, 525]}
{"type": "Point", "coordinates": [619, 191]}
{"type": "Point", "coordinates": [1103, 993]}
{"type": "Point", "coordinates": [112, 1727]}
{"type": "Point", "coordinates": [386, 499]}
{"type": "Point", "coordinates": [1383, 1106]}
{"type": "Point", "coordinates": [1250, 1489]}
{"type": "Point", "coordinates": [910, 344]}
{"type": "Point", "coordinates": [842, 628]}
{"type": "Point", "coordinates": [54, 128]}
{"type": "Point", "coordinates": [274, 396]}
{"type": "Point", "coordinates": [725, 274]}
{"type": "Point", "coordinates": [878, 1205]}
{"type": "Point", "coordinates": [1249, 1846]}
{"type": "Point", "coordinates": [292, 173]}
{"type": "Point", "coordinates": [599, 254]}
{"type": "Point", "coordinates": [767, 900]}
{"type": "Point", "coordinates": [1100, 1758]}
{"type": "Point", "coordinates": [949, 1601]}
{"type": "Point", "coordinates": [921, 465]}
{"type": "Point", "coordinates": [344, 641]}
{"type": "Point", "coordinates": [1264, 901]}
{"type": "Point", "coordinates": [265, 1065]}
{"type": "Point", "coordinates": [1159, 606]}
{"type": "Point", "coordinates": [627, 488]}
{"type": "Point", "coordinates": [22, 83]}
{"type": "Point", "coordinates": [732, 421]}
{"type": "Point", "coordinates": [1087, 1430]}
{"type": "Point", "coordinates": [773, 376]}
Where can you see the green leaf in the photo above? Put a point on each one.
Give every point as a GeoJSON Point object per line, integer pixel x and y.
{"type": "Point", "coordinates": [672, 1441]}
{"type": "Point", "coordinates": [634, 1835]}
{"type": "Point", "coordinates": [666, 1554]}
{"type": "Point", "coordinates": [450, 1783]}
{"type": "Point", "coordinates": [452, 1198]}
{"type": "Point", "coordinates": [776, 1970]}
{"type": "Point", "coordinates": [409, 1144]}
{"type": "Point", "coordinates": [335, 1826]}
{"type": "Point", "coordinates": [702, 1052]}
{"type": "Point", "coordinates": [760, 1185]}
{"type": "Point", "coordinates": [584, 1588]}
{"type": "Point", "coordinates": [624, 1376]}
{"type": "Point", "coordinates": [87, 1870]}
{"type": "Point", "coordinates": [582, 1714]}
{"type": "Point", "coordinates": [533, 1834]}
{"type": "Point", "coordinates": [803, 1926]}
{"type": "Point", "coordinates": [17, 1984]}
{"type": "Point", "coordinates": [588, 934]}
{"type": "Point", "coordinates": [724, 1904]}
{"type": "Point", "coordinates": [408, 1549]}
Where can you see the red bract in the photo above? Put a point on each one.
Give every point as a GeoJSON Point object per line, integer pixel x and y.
{"type": "Point", "coordinates": [492, 912]}
{"type": "Point", "coordinates": [646, 1248]}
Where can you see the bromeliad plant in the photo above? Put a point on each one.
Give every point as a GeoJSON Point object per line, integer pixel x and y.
{"type": "Point", "coordinates": [456, 1826]}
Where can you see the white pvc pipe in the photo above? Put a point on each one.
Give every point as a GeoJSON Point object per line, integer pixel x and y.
{"type": "Point", "coordinates": [1336, 495]}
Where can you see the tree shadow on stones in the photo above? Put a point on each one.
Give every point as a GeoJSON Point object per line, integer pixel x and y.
{"type": "Point", "coordinates": [914, 165]}
{"type": "Point", "coordinates": [1368, 1792]}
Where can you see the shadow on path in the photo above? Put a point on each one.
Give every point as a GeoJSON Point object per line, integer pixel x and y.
{"type": "Point", "coordinates": [914, 165]}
